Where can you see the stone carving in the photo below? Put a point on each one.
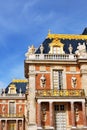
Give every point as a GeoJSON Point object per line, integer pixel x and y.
{"type": "Point", "coordinates": [42, 81]}
{"type": "Point", "coordinates": [44, 115]}
{"type": "Point", "coordinates": [81, 50]}
{"type": "Point", "coordinates": [74, 81]}
{"type": "Point", "coordinates": [76, 112]}
{"type": "Point", "coordinates": [3, 108]}
{"type": "Point", "coordinates": [20, 108]}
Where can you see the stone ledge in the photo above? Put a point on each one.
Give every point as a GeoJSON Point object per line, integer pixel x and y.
{"type": "Point", "coordinates": [78, 128]}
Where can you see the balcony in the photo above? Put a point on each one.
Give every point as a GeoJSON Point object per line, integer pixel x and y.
{"type": "Point", "coordinates": [11, 115]}
{"type": "Point", "coordinates": [60, 93]}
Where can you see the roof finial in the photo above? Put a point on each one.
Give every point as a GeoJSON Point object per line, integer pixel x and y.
{"type": "Point", "coordinates": [49, 31]}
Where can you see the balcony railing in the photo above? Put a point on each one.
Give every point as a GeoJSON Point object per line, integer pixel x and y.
{"type": "Point", "coordinates": [60, 93]}
{"type": "Point", "coordinates": [52, 57]}
{"type": "Point", "coordinates": [11, 115]}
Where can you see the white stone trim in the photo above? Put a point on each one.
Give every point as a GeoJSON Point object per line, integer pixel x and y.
{"type": "Point", "coordinates": [60, 100]}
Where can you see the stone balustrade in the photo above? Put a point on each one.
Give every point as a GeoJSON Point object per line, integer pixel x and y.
{"type": "Point", "coordinates": [52, 57]}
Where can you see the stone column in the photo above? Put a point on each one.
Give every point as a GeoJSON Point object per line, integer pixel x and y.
{"type": "Point", "coordinates": [84, 114]}
{"type": "Point", "coordinates": [0, 125]}
{"type": "Point", "coordinates": [39, 114]}
{"type": "Point", "coordinates": [6, 125]}
{"type": "Point", "coordinates": [16, 124]}
{"type": "Point", "coordinates": [73, 114]}
{"type": "Point", "coordinates": [23, 125]}
{"type": "Point", "coordinates": [51, 114]}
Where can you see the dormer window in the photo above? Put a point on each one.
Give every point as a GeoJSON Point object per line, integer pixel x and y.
{"type": "Point", "coordinates": [12, 89]}
{"type": "Point", "coordinates": [56, 50]}
{"type": "Point", "coordinates": [56, 47]}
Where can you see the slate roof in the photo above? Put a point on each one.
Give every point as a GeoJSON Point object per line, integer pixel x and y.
{"type": "Point", "coordinates": [18, 85]}
{"type": "Point", "coordinates": [84, 32]}
{"type": "Point", "coordinates": [66, 42]}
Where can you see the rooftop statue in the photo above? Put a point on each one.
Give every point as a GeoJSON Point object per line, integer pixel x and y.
{"type": "Point", "coordinates": [81, 50]}
{"type": "Point", "coordinates": [31, 50]}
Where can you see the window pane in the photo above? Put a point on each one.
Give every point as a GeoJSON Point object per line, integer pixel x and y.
{"type": "Point", "coordinates": [57, 79]}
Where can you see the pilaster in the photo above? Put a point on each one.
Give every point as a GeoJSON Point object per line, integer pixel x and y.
{"type": "Point", "coordinates": [32, 104]}
{"type": "Point", "coordinates": [83, 70]}
{"type": "Point", "coordinates": [84, 114]}
{"type": "Point", "coordinates": [51, 114]}
{"type": "Point", "coordinates": [39, 115]}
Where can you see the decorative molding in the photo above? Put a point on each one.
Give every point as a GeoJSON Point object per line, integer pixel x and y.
{"type": "Point", "coordinates": [83, 71]}
{"type": "Point", "coordinates": [73, 69]}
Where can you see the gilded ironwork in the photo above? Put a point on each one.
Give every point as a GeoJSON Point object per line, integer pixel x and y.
{"type": "Point", "coordinates": [55, 92]}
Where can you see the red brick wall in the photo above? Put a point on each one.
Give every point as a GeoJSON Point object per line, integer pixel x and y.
{"type": "Point", "coordinates": [78, 82]}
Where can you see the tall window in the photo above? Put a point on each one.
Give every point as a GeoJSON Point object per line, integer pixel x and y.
{"type": "Point", "coordinates": [12, 109]}
{"type": "Point", "coordinates": [58, 79]}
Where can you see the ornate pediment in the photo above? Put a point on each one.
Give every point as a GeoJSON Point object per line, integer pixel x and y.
{"type": "Point", "coordinates": [56, 42]}
{"type": "Point", "coordinates": [56, 47]}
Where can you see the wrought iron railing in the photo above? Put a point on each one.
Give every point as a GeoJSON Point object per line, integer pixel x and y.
{"type": "Point", "coordinates": [2, 115]}
{"type": "Point", "coordinates": [63, 93]}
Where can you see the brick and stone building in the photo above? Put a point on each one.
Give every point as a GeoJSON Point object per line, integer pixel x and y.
{"type": "Point", "coordinates": [57, 83]}
{"type": "Point", "coordinates": [12, 105]}
{"type": "Point", "coordinates": [54, 94]}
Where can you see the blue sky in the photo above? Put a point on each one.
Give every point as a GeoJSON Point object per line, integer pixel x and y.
{"type": "Point", "coordinates": [26, 22]}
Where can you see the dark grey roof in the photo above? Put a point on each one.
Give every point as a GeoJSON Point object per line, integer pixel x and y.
{"type": "Point", "coordinates": [18, 85]}
{"type": "Point", "coordinates": [84, 32]}
{"type": "Point", "coordinates": [66, 42]}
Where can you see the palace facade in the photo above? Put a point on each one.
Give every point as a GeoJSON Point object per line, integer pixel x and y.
{"type": "Point", "coordinates": [54, 94]}
{"type": "Point", "coordinates": [57, 77]}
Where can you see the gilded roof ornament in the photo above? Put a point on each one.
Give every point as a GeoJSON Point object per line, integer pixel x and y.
{"type": "Point", "coordinates": [67, 36]}
{"type": "Point", "coordinates": [56, 42]}
{"type": "Point", "coordinates": [19, 80]}
{"type": "Point", "coordinates": [49, 31]}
